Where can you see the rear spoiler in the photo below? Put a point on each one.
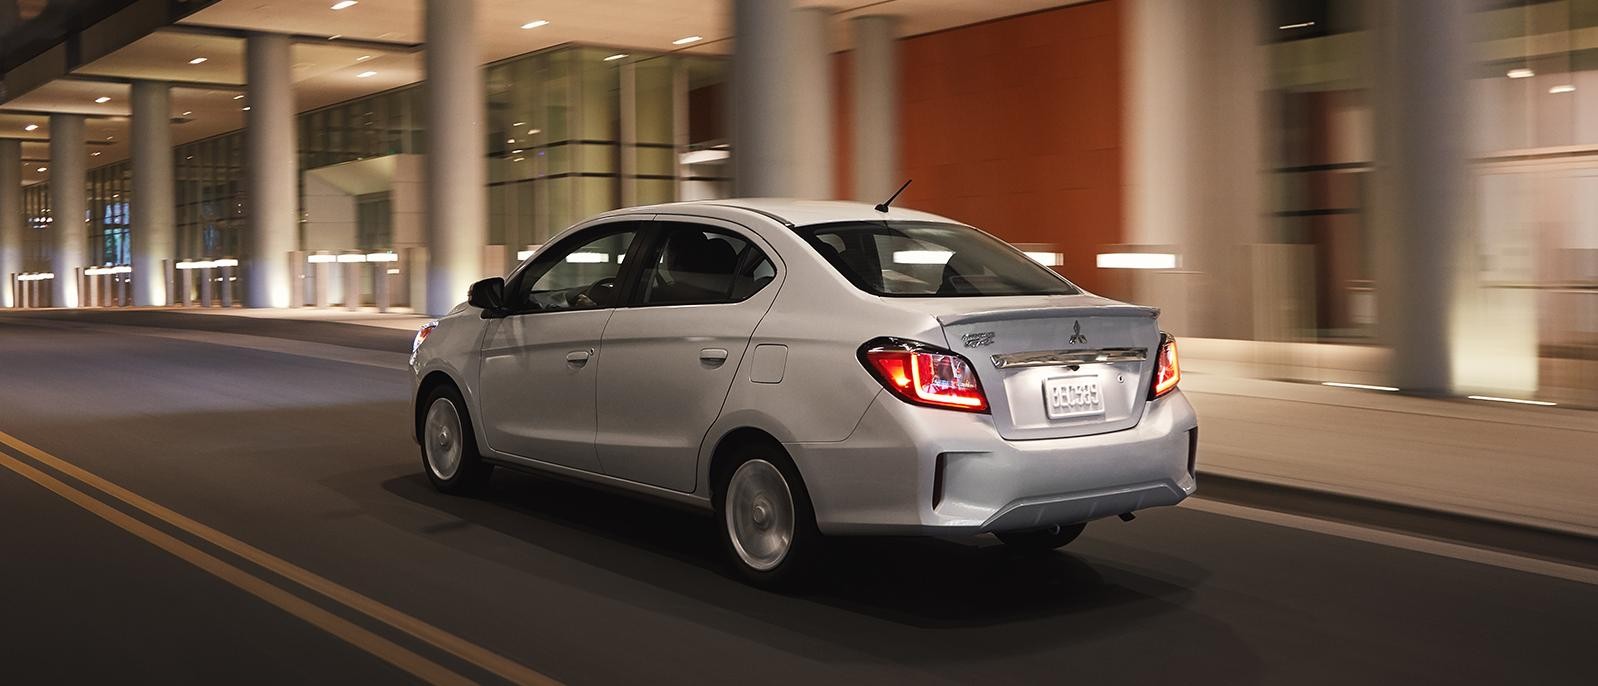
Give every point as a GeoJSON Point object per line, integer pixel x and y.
{"type": "Point", "coordinates": [1112, 310]}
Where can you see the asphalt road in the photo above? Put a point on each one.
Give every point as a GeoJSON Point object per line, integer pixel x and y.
{"type": "Point", "coordinates": [180, 511]}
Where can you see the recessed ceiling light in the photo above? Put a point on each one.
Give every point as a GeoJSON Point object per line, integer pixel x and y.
{"type": "Point", "coordinates": [31, 127]}
{"type": "Point", "coordinates": [94, 154]}
{"type": "Point", "coordinates": [518, 159]}
{"type": "Point", "coordinates": [617, 56]}
{"type": "Point", "coordinates": [1521, 73]}
{"type": "Point", "coordinates": [510, 140]}
{"type": "Point", "coordinates": [240, 96]}
{"type": "Point", "coordinates": [1299, 25]}
{"type": "Point", "coordinates": [41, 170]}
{"type": "Point", "coordinates": [517, 151]}
{"type": "Point", "coordinates": [245, 108]}
{"type": "Point", "coordinates": [366, 75]}
{"type": "Point", "coordinates": [533, 132]}
{"type": "Point", "coordinates": [198, 60]}
{"type": "Point", "coordinates": [535, 24]}
{"type": "Point", "coordinates": [110, 138]}
{"type": "Point", "coordinates": [345, 4]}
{"type": "Point", "coordinates": [363, 58]}
{"type": "Point", "coordinates": [687, 39]}
{"type": "Point", "coordinates": [520, 123]}
{"type": "Point", "coordinates": [335, 36]}
{"type": "Point", "coordinates": [1562, 88]}
{"type": "Point", "coordinates": [102, 100]}
{"type": "Point", "coordinates": [185, 114]}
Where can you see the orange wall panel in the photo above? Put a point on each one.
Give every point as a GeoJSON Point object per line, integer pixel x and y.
{"type": "Point", "coordinates": [1014, 126]}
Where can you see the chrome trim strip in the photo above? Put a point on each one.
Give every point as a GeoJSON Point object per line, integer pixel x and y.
{"type": "Point", "coordinates": [1065, 358]}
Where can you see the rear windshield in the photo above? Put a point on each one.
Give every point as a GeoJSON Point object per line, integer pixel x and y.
{"type": "Point", "coordinates": [930, 259]}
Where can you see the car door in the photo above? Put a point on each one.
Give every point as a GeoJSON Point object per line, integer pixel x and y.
{"type": "Point", "coordinates": [538, 372]}
{"type": "Point", "coordinates": [672, 353]}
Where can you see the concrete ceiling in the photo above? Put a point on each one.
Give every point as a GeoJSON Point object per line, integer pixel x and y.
{"type": "Point", "coordinates": [381, 36]}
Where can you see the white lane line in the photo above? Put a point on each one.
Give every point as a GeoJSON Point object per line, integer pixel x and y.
{"type": "Point", "coordinates": [1392, 539]}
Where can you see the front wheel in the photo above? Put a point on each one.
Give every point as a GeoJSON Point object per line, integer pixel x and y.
{"type": "Point", "coordinates": [765, 519]}
{"type": "Point", "coordinates": [1039, 540]}
{"type": "Point", "coordinates": [449, 449]}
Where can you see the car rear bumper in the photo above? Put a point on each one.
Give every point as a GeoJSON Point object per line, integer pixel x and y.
{"type": "Point", "coordinates": [916, 470]}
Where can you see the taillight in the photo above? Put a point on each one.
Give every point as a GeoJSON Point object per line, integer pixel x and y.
{"type": "Point", "coordinates": [924, 375]}
{"type": "Point", "coordinates": [1167, 370]}
{"type": "Point", "coordinates": [422, 334]}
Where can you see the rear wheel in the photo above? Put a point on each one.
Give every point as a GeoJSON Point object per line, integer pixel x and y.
{"type": "Point", "coordinates": [1036, 540]}
{"type": "Point", "coordinates": [449, 449]}
{"type": "Point", "coordinates": [764, 517]}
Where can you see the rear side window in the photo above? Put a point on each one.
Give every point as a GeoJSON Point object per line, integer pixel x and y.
{"type": "Point", "coordinates": [930, 259]}
{"type": "Point", "coordinates": [698, 265]}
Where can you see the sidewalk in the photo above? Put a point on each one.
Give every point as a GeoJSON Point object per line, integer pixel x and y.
{"type": "Point", "coordinates": [366, 316]}
{"type": "Point", "coordinates": [1527, 465]}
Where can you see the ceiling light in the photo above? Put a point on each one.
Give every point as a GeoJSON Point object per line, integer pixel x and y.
{"type": "Point", "coordinates": [245, 108]}
{"type": "Point", "coordinates": [1136, 260]}
{"type": "Point", "coordinates": [520, 123]}
{"type": "Point", "coordinates": [533, 132]}
{"type": "Point", "coordinates": [687, 39]}
{"type": "Point", "coordinates": [535, 24]}
{"type": "Point", "coordinates": [344, 4]}
{"type": "Point", "coordinates": [94, 154]}
{"type": "Point", "coordinates": [197, 60]}
{"type": "Point", "coordinates": [617, 56]}
{"type": "Point", "coordinates": [1521, 73]}
{"type": "Point", "coordinates": [518, 159]}
{"type": "Point", "coordinates": [1517, 401]}
{"type": "Point", "coordinates": [1360, 386]}
{"type": "Point", "coordinates": [517, 151]}
{"type": "Point", "coordinates": [102, 100]}
{"type": "Point", "coordinates": [335, 36]}
{"type": "Point", "coordinates": [185, 114]}
{"type": "Point", "coordinates": [363, 58]}
{"type": "Point", "coordinates": [510, 140]}
{"type": "Point", "coordinates": [1299, 25]}
{"type": "Point", "coordinates": [240, 96]}
{"type": "Point", "coordinates": [1562, 88]}
{"type": "Point", "coordinates": [41, 170]}
{"type": "Point", "coordinates": [366, 75]}
{"type": "Point", "coordinates": [31, 127]}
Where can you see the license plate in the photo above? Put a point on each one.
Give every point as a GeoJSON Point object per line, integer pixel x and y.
{"type": "Point", "coordinates": [1072, 396]}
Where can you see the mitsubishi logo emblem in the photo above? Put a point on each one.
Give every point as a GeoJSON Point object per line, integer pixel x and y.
{"type": "Point", "coordinates": [1077, 336]}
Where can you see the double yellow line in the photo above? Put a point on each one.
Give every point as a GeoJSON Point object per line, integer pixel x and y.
{"type": "Point", "coordinates": [385, 649]}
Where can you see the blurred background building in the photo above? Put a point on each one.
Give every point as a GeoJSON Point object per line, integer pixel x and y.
{"type": "Point", "coordinates": [1401, 194]}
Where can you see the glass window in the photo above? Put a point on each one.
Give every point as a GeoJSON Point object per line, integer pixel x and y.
{"type": "Point", "coordinates": [930, 259]}
{"type": "Point", "coordinates": [578, 275]}
{"type": "Point", "coordinates": [703, 266]}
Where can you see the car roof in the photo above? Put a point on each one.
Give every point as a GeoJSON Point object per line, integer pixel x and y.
{"type": "Point", "coordinates": [795, 212]}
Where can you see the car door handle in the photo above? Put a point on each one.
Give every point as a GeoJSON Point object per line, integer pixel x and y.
{"type": "Point", "coordinates": [713, 356]}
{"type": "Point", "coordinates": [579, 357]}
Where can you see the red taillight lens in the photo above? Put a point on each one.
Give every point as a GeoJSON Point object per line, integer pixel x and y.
{"type": "Point", "coordinates": [1167, 370]}
{"type": "Point", "coordinates": [925, 375]}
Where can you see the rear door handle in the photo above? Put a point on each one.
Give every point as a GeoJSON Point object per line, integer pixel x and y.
{"type": "Point", "coordinates": [579, 357]}
{"type": "Point", "coordinates": [713, 356]}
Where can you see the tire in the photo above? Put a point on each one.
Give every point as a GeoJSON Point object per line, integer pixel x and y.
{"type": "Point", "coordinates": [764, 518]}
{"type": "Point", "coordinates": [1041, 540]}
{"type": "Point", "coordinates": [448, 446]}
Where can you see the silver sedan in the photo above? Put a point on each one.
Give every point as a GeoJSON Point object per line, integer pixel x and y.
{"type": "Point", "coordinates": [807, 369]}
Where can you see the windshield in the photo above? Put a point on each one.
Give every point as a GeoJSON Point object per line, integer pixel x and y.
{"type": "Point", "coordinates": [930, 259]}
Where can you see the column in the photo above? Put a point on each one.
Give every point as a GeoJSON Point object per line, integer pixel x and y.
{"type": "Point", "coordinates": [271, 184]}
{"type": "Point", "coordinates": [68, 204]}
{"type": "Point", "coordinates": [1420, 184]}
{"type": "Point", "coordinates": [811, 77]}
{"type": "Point", "coordinates": [10, 216]}
{"type": "Point", "coordinates": [154, 235]}
{"type": "Point", "coordinates": [875, 90]}
{"type": "Point", "coordinates": [455, 178]}
{"type": "Point", "coordinates": [763, 100]}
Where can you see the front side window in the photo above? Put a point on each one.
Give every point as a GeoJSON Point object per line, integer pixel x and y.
{"type": "Point", "coordinates": [697, 265]}
{"type": "Point", "coordinates": [930, 259]}
{"type": "Point", "coordinates": [581, 277]}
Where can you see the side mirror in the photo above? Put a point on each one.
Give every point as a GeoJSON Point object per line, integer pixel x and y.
{"type": "Point", "coordinates": [489, 296]}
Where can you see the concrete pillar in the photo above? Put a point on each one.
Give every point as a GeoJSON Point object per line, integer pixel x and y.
{"type": "Point", "coordinates": [1421, 184]}
{"type": "Point", "coordinates": [811, 76]}
{"type": "Point", "coordinates": [763, 100]}
{"type": "Point", "coordinates": [271, 185]}
{"type": "Point", "coordinates": [875, 91]}
{"type": "Point", "coordinates": [10, 214]}
{"type": "Point", "coordinates": [352, 285]}
{"type": "Point", "coordinates": [456, 174]}
{"type": "Point", "coordinates": [154, 232]}
{"type": "Point", "coordinates": [68, 204]}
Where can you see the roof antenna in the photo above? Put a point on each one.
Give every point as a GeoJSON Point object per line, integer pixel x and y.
{"type": "Point", "coordinates": [883, 207]}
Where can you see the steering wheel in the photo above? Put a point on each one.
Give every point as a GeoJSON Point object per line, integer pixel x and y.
{"type": "Point", "coordinates": [585, 298]}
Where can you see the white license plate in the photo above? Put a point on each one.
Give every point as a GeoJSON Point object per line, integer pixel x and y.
{"type": "Point", "coordinates": [1072, 396]}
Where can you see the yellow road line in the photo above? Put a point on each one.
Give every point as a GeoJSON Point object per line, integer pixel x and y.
{"type": "Point", "coordinates": [383, 648]}
{"type": "Point", "coordinates": [450, 643]}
